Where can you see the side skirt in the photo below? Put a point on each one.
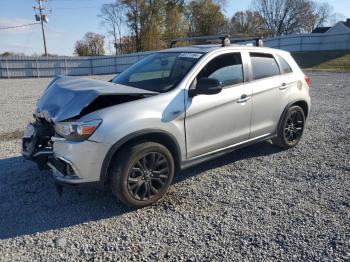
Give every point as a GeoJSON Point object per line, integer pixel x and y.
{"type": "Point", "coordinates": [214, 154]}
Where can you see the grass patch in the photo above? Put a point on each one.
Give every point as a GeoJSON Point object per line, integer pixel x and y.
{"type": "Point", "coordinates": [333, 61]}
{"type": "Point", "coordinates": [341, 63]}
{"type": "Point", "coordinates": [11, 135]}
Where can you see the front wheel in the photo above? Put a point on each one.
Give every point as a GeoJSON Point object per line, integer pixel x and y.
{"type": "Point", "coordinates": [142, 173]}
{"type": "Point", "coordinates": [291, 128]}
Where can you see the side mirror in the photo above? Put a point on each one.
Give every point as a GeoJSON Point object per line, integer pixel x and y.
{"type": "Point", "coordinates": [206, 86]}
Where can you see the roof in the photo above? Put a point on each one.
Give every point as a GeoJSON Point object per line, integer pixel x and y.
{"type": "Point", "coordinates": [347, 23]}
{"type": "Point", "coordinates": [320, 30]}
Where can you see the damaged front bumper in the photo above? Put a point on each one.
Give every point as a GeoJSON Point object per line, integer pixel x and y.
{"type": "Point", "coordinates": [77, 162]}
{"type": "Point", "coordinates": [37, 144]}
{"type": "Point", "coordinates": [71, 162]}
{"type": "Point", "coordinates": [64, 171]}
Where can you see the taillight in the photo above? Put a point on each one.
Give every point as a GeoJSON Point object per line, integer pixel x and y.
{"type": "Point", "coordinates": [308, 80]}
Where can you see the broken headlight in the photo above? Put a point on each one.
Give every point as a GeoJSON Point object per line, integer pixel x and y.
{"type": "Point", "coordinates": [77, 131]}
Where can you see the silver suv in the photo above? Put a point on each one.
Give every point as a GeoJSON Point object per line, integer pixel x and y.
{"type": "Point", "coordinates": [171, 110]}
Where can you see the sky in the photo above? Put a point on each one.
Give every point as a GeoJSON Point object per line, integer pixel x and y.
{"type": "Point", "coordinates": [69, 20]}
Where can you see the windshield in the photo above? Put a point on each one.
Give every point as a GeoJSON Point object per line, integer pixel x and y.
{"type": "Point", "coordinates": [159, 72]}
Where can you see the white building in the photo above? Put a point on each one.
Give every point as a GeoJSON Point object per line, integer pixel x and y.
{"type": "Point", "coordinates": [338, 28]}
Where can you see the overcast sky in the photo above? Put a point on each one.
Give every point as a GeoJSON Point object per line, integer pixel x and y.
{"type": "Point", "coordinates": [71, 19]}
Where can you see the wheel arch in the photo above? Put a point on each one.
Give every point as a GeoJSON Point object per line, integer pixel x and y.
{"type": "Point", "coordinates": [150, 135]}
{"type": "Point", "coordinates": [302, 103]}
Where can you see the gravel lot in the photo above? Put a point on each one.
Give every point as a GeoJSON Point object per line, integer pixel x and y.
{"type": "Point", "coordinates": [258, 203]}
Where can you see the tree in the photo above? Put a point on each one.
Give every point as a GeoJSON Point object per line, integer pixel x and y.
{"type": "Point", "coordinates": [175, 24]}
{"type": "Point", "coordinates": [146, 19]}
{"type": "Point", "coordinates": [321, 14]}
{"type": "Point", "coordinates": [284, 16]}
{"type": "Point", "coordinates": [113, 19]}
{"type": "Point", "coordinates": [133, 8]}
{"type": "Point", "coordinates": [247, 23]}
{"type": "Point", "coordinates": [204, 17]}
{"type": "Point", "coordinates": [335, 18]}
{"type": "Point", "coordinates": [91, 45]}
{"type": "Point", "coordinates": [152, 19]}
{"type": "Point", "coordinates": [81, 49]}
{"type": "Point", "coordinates": [9, 53]}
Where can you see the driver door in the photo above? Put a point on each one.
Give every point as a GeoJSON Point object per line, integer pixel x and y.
{"type": "Point", "coordinates": [214, 122]}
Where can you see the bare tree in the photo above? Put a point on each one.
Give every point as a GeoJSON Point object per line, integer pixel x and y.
{"type": "Point", "coordinates": [320, 16]}
{"type": "Point", "coordinates": [335, 18]}
{"type": "Point", "coordinates": [284, 16]}
{"type": "Point", "coordinates": [322, 13]}
{"type": "Point", "coordinates": [91, 45]}
{"type": "Point", "coordinates": [113, 18]}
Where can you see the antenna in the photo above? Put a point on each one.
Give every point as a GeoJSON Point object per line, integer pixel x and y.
{"type": "Point", "coordinates": [41, 17]}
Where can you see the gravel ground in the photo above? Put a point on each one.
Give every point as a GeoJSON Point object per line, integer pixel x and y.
{"type": "Point", "coordinates": [18, 98]}
{"type": "Point", "coordinates": [258, 203]}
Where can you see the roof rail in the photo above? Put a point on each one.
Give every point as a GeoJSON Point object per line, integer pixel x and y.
{"type": "Point", "coordinates": [226, 40]}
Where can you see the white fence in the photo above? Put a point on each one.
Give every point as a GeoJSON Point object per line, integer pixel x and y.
{"type": "Point", "coordinates": [51, 66]}
{"type": "Point", "coordinates": [310, 42]}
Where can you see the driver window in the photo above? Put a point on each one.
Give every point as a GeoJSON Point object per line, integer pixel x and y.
{"type": "Point", "coordinates": [227, 68]}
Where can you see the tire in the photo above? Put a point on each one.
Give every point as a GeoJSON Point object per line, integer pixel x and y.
{"type": "Point", "coordinates": [291, 128]}
{"type": "Point", "coordinates": [142, 174]}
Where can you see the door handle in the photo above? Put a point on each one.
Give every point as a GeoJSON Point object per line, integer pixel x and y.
{"type": "Point", "coordinates": [283, 86]}
{"type": "Point", "coordinates": [244, 98]}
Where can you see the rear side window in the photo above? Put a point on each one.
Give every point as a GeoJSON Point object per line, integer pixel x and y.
{"type": "Point", "coordinates": [227, 68]}
{"type": "Point", "coordinates": [263, 66]}
{"type": "Point", "coordinates": [285, 67]}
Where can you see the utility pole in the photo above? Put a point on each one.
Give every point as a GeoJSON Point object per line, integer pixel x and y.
{"type": "Point", "coordinates": [42, 18]}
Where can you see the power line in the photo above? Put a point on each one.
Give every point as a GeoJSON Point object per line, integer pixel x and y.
{"type": "Point", "coordinates": [18, 26]}
{"type": "Point", "coordinates": [71, 0]}
{"type": "Point", "coordinates": [78, 7]}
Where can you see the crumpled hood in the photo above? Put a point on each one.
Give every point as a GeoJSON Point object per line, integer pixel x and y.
{"type": "Point", "coordinates": [66, 97]}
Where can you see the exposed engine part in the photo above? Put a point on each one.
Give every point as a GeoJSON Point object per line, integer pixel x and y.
{"type": "Point", "coordinates": [38, 147]}
{"type": "Point", "coordinates": [107, 101]}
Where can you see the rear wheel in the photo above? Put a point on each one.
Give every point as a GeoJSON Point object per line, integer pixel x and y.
{"type": "Point", "coordinates": [291, 128]}
{"type": "Point", "coordinates": [142, 174]}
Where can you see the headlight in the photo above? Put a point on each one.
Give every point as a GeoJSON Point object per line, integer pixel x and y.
{"type": "Point", "coordinates": [77, 131]}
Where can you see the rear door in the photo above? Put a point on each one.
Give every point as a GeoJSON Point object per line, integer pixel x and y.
{"type": "Point", "coordinates": [270, 93]}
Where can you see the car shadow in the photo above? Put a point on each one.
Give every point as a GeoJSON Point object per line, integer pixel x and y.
{"type": "Point", "coordinates": [30, 204]}
{"type": "Point", "coordinates": [263, 148]}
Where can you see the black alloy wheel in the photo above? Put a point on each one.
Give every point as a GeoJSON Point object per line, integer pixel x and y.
{"type": "Point", "coordinates": [291, 128]}
{"type": "Point", "coordinates": [142, 173]}
{"type": "Point", "coordinates": [294, 127]}
{"type": "Point", "coordinates": [148, 175]}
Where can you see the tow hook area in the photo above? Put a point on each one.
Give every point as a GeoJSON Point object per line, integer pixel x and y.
{"type": "Point", "coordinates": [63, 168]}
{"type": "Point", "coordinates": [63, 173]}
